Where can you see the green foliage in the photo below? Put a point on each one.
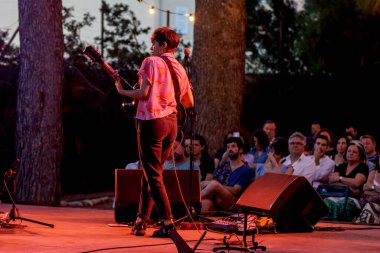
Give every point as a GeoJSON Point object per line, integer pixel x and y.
{"type": "Point", "coordinates": [9, 53]}
{"type": "Point", "coordinates": [337, 37]}
{"type": "Point", "coordinates": [326, 37]}
{"type": "Point", "coordinates": [73, 44]}
{"type": "Point", "coordinates": [123, 50]}
{"type": "Point", "coordinates": [120, 39]}
{"type": "Point", "coordinates": [270, 36]}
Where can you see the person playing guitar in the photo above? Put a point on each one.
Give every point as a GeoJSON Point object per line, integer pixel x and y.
{"type": "Point", "coordinates": [157, 124]}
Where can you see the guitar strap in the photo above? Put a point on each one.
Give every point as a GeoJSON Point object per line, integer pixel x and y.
{"type": "Point", "coordinates": [174, 78]}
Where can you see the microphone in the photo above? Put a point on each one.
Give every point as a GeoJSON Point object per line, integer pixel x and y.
{"type": "Point", "coordinates": [12, 170]}
{"type": "Point", "coordinates": [16, 164]}
{"type": "Point", "coordinates": [187, 52]}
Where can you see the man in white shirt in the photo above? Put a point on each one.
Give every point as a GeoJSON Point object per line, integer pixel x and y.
{"type": "Point", "coordinates": [324, 165]}
{"type": "Point", "coordinates": [297, 163]}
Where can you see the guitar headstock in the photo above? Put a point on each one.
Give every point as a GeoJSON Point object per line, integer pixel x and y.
{"type": "Point", "coordinates": [93, 54]}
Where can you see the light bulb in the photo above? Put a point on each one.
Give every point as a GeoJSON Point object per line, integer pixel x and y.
{"type": "Point", "coordinates": [151, 10]}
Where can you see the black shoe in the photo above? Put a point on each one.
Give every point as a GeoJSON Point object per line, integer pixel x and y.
{"type": "Point", "coordinates": [164, 231]}
{"type": "Point", "coordinates": [139, 229]}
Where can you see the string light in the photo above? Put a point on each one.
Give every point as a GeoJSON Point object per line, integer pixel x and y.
{"type": "Point", "coordinates": [191, 17]}
{"type": "Point", "coordinates": [153, 8]}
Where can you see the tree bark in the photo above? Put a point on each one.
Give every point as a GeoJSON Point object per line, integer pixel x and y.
{"type": "Point", "coordinates": [39, 135]}
{"type": "Point", "coordinates": [218, 67]}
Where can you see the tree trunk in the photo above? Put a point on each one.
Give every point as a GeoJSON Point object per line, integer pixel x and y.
{"type": "Point", "coordinates": [39, 135]}
{"type": "Point", "coordinates": [218, 67]}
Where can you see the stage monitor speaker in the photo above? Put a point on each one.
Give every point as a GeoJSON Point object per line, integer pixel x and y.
{"type": "Point", "coordinates": [290, 200]}
{"type": "Point", "coordinates": [128, 188]}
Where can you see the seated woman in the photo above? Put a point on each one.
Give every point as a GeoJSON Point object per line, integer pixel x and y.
{"type": "Point", "coordinates": [273, 163]}
{"type": "Point", "coordinates": [370, 200]}
{"type": "Point", "coordinates": [341, 148]}
{"type": "Point", "coordinates": [353, 173]}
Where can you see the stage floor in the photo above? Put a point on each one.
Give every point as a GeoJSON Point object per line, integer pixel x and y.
{"type": "Point", "coordinates": [94, 230]}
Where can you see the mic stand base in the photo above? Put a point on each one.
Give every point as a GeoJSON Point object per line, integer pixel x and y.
{"type": "Point", "coordinates": [14, 214]}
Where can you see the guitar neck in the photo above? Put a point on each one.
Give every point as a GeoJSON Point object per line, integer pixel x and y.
{"type": "Point", "coordinates": [108, 68]}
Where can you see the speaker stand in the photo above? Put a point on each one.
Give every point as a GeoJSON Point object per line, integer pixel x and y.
{"type": "Point", "coordinates": [244, 248]}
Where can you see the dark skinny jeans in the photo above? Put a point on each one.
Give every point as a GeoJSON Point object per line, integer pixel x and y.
{"type": "Point", "coordinates": [155, 140]}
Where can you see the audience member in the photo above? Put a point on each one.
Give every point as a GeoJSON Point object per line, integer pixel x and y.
{"type": "Point", "coordinates": [279, 149]}
{"type": "Point", "coordinates": [341, 148]}
{"type": "Point", "coordinates": [220, 152]}
{"type": "Point", "coordinates": [260, 146]}
{"type": "Point", "coordinates": [247, 156]}
{"type": "Point", "coordinates": [352, 130]}
{"type": "Point", "coordinates": [330, 135]}
{"type": "Point", "coordinates": [369, 143]}
{"type": "Point", "coordinates": [314, 130]}
{"type": "Point", "coordinates": [297, 163]}
{"type": "Point", "coordinates": [231, 178]}
{"type": "Point", "coordinates": [200, 155]}
{"type": "Point", "coordinates": [352, 173]}
{"type": "Point", "coordinates": [370, 200]}
{"type": "Point", "coordinates": [178, 160]}
{"type": "Point", "coordinates": [324, 166]}
{"type": "Point", "coordinates": [133, 166]}
{"type": "Point", "coordinates": [270, 128]}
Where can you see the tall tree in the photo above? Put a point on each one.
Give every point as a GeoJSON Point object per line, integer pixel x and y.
{"type": "Point", "coordinates": [38, 125]}
{"type": "Point", "coordinates": [218, 66]}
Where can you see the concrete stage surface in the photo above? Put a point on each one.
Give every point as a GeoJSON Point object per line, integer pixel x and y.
{"type": "Point", "coordinates": [91, 230]}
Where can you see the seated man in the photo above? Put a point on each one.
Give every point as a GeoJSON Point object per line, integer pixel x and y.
{"type": "Point", "coordinates": [176, 160]}
{"type": "Point", "coordinates": [181, 162]}
{"type": "Point", "coordinates": [231, 178]}
{"type": "Point", "coordinates": [297, 163]}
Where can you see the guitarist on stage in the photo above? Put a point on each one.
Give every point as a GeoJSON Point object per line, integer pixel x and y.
{"type": "Point", "coordinates": [157, 124]}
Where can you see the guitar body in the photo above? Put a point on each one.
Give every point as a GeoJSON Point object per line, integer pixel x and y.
{"type": "Point", "coordinates": [181, 116]}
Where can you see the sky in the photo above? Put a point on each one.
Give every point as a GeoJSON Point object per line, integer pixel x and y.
{"type": "Point", "coordinates": [9, 16]}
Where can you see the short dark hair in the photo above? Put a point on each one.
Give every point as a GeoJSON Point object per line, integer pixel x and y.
{"type": "Point", "coordinates": [165, 34]}
{"type": "Point", "coordinates": [237, 140]}
{"type": "Point", "coordinates": [280, 146]}
{"type": "Point", "coordinates": [323, 137]}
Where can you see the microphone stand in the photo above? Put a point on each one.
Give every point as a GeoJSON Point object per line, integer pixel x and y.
{"type": "Point", "coordinates": [14, 214]}
{"type": "Point", "coordinates": [193, 115]}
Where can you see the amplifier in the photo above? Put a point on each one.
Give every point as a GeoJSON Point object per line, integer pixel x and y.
{"type": "Point", "coordinates": [128, 188]}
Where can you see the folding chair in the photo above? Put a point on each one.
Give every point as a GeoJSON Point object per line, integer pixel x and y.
{"type": "Point", "coordinates": [331, 190]}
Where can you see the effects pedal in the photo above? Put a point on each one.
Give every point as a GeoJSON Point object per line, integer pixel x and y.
{"type": "Point", "coordinates": [224, 225]}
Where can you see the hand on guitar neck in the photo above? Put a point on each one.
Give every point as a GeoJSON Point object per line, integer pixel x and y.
{"type": "Point", "coordinates": [95, 56]}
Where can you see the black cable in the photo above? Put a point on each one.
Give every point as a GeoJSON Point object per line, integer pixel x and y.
{"type": "Point", "coordinates": [138, 246]}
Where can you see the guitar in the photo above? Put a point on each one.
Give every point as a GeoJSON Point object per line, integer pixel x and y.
{"type": "Point", "coordinates": [95, 56]}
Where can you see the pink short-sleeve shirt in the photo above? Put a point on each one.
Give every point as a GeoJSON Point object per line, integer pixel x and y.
{"type": "Point", "coordinates": [161, 100]}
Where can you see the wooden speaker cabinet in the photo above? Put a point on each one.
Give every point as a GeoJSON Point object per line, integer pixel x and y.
{"type": "Point", "coordinates": [128, 188]}
{"type": "Point", "coordinates": [290, 200]}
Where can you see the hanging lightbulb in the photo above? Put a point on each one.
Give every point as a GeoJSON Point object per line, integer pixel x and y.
{"type": "Point", "coordinates": [191, 17]}
{"type": "Point", "coordinates": [151, 10]}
